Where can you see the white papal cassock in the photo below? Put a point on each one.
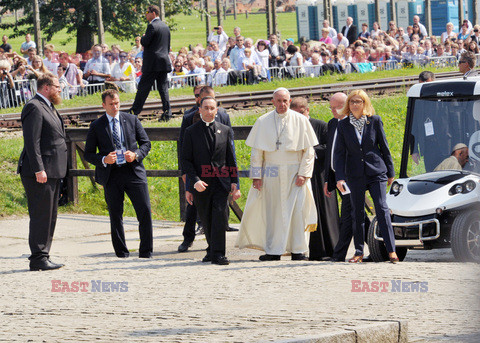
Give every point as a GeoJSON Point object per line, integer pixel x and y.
{"type": "Point", "coordinates": [276, 217]}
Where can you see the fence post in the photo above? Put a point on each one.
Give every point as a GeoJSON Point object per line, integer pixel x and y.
{"type": "Point", "coordinates": [72, 181]}
{"type": "Point", "coordinates": [181, 189]}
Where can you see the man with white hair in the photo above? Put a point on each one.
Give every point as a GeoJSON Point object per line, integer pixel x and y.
{"type": "Point", "coordinates": [280, 207]}
{"type": "Point", "coordinates": [340, 40]}
{"type": "Point", "coordinates": [349, 31]}
{"type": "Point", "coordinates": [331, 31]}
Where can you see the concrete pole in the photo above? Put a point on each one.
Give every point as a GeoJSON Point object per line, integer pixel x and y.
{"type": "Point", "coordinates": [36, 27]}
{"type": "Point", "coordinates": [475, 12]}
{"type": "Point", "coordinates": [219, 13]}
{"type": "Point", "coordinates": [161, 4]}
{"type": "Point", "coordinates": [101, 32]}
{"type": "Point", "coordinates": [460, 13]}
{"type": "Point", "coordinates": [268, 5]}
{"type": "Point", "coordinates": [207, 20]}
{"type": "Point", "coordinates": [235, 9]}
{"type": "Point", "coordinates": [274, 17]}
{"type": "Point", "coordinates": [377, 13]}
{"type": "Point", "coordinates": [428, 17]}
{"type": "Point", "coordinates": [393, 12]}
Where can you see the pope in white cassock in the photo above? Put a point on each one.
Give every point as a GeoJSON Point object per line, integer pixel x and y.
{"type": "Point", "coordinates": [280, 206]}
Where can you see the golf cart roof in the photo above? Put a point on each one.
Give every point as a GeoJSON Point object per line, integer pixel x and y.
{"type": "Point", "coordinates": [446, 88]}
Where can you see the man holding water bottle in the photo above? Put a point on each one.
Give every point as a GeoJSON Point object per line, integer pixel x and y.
{"type": "Point", "coordinates": [122, 145]}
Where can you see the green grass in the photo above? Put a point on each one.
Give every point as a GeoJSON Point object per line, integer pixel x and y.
{"type": "Point", "coordinates": [189, 30]}
{"type": "Point", "coordinates": [164, 191]}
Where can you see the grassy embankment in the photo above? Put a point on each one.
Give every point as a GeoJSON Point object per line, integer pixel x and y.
{"type": "Point", "coordinates": [164, 191]}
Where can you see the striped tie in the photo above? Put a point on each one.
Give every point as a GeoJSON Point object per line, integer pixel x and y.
{"type": "Point", "coordinates": [116, 138]}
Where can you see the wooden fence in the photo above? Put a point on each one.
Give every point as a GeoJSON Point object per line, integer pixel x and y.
{"type": "Point", "coordinates": [75, 143]}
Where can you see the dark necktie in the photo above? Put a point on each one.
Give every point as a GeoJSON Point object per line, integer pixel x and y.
{"type": "Point", "coordinates": [116, 137]}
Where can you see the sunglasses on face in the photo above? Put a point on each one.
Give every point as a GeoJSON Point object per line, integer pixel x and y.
{"type": "Point", "coordinates": [123, 56]}
{"type": "Point", "coordinates": [108, 55]}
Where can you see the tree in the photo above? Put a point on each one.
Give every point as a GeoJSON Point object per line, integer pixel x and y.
{"type": "Point", "coordinates": [124, 20]}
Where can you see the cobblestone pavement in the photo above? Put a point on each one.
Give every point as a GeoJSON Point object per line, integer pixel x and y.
{"type": "Point", "coordinates": [177, 298]}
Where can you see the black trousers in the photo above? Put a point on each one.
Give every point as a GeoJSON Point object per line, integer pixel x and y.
{"type": "Point", "coordinates": [190, 219]}
{"type": "Point", "coordinates": [346, 229]}
{"type": "Point", "coordinates": [123, 180]}
{"type": "Point", "coordinates": [212, 207]}
{"type": "Point", "coordinates": [378, 191]}
{"type": "Point", "coordinates": [145, 85]}
{"type": "Point", "coordinates": [42, 199]}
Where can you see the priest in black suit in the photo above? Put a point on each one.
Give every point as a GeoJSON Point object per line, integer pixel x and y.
{"type": "Point", "coordinates": [324, 239]}
{"type": "Point", "coordinates": [156, 63]}
{"type": "Point", "coordinates": [208, 160]}
{"type": "Point", "coordinates": [349, 31]}
{"type": "Point", "coordinates": [42, 166]}
{"type": "Point", "coordinates": [190, 117]}
{"type": "Point", "coordinates": [122, 144]}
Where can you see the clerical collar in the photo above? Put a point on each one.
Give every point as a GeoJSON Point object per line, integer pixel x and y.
{"type": "Point", "coordinates": [207, 124]}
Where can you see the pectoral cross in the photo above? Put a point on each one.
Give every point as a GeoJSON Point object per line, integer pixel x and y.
{"type": "Point", "coordinates": [278, 144]}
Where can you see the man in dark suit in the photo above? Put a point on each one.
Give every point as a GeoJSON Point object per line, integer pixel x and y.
{"type": "Point", "coordinates": [156, 63]}
{"type": "Point", "coordinates": [42, 166]}
{"type": "Point", "coordinates": [276, 52]}
{"type": "Point", "coordinates": [323, 240]}
{"type": "Point", "coordinates": [209, 162]}
{"type": "Point", "coordinates": [190, 117]}
{"type": "Point", "coordinates": [122, 145]}
{"type": "Point", "coordinates": [349, 31]}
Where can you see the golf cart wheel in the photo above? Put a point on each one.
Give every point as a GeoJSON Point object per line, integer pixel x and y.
{"type": "Point", "coordinates": [377, 249]}
{"type": "Point", "coordinates": [465, 236]}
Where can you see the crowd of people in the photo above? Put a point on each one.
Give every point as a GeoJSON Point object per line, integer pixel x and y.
{"type": "Point", "coordinates": [233, 59]}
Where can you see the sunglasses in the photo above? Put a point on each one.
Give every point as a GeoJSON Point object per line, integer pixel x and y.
{"type": "Point", "coordinates": [108, 55]}
{"type": "Point", "coordinates": [123, 56]}
{"type": "Point", "coordinates": [460, 62]}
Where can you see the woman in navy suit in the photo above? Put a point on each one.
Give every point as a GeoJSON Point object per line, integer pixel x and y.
{"type": "Point", "coordinates": [363, 161]}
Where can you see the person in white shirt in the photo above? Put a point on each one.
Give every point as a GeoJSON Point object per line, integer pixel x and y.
{"type": "Point", "coordinates": [340, 40]}
{"type": "Point", "coordinates": [313, 68]}
{"type": "Point", "coordinates": [423, 30]}
{"type": "Point", "coordinates": [123, 74]}
{"type": "Point", "coordinates": [221, 38]}
{"type": "Point", "coordinates": [219, 75]}
{"type": "Point", "coordinates": [332, 33]}
{"type": "Point", "coordinates": [48, 60]}
{"type": "Point", "coordinates": [449, 33]}
{"type": "Point", "coordinates": [215, 52]}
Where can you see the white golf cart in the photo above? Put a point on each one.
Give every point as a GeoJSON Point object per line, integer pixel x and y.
{"type": "Point", "coordinates": [437, 209]}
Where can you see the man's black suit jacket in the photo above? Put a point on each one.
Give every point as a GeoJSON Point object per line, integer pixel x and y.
{"type": "Point", "coordinates": [329, 172]}
{"type": "Point", "coordinates": [272, 61]}
{"type": "Point", "coordinates": [201, 164]}
{"type": "Point", "coordinates": [44, 141]}
{"type": "Point", "coordinates": [156, 47]}
{"type": "Point", "coordinates": [187, 121]}
{"type": "Point", "coordinates": [100, 136]}
{"type": "Point", "coordinates": [371, 159]}
{"type": "Point", "coordinates": [351, 34]}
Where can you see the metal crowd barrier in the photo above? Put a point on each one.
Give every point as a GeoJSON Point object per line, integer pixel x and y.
{"type": "Point", "coordinates": [24, 90]}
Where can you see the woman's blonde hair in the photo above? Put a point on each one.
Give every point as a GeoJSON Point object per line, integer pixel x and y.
{"type": "Point", "coordinates": [368, 109]}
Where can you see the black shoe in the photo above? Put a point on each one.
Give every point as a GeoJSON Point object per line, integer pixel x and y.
{"type": "Point", "coordinates": [268, 257]}
{"type": "Point", "coordinates": [122, 255]}
{"type": "Point", "coordinates": [184, 246]}
{"type": "Point", "coordinates": [231, 229]}
{"type": "Point", "coordinates": [334, 259]}
{"type": "Point", "coordinates": [367, 259]}
{"type": "Point", "coordinates": [207, 258]}
{"type": "Point", "coordinates": [299, 257]}
{"type": "Point", "coordinates": [149, 255]}
{"type": "Point", "coordinates": [200, 230]}
{"type": "Point", "coordinates": [221, 260]}
{"type": "Point", "coordinates": [326, 258]}
{"type": "Point", "coordinates": [164, 118]}
{"type": "Point", "coordinates": [44, 264]}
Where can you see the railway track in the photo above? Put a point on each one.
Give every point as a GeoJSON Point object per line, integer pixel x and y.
{"type": "Point", "coordinates": [84, 115]}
